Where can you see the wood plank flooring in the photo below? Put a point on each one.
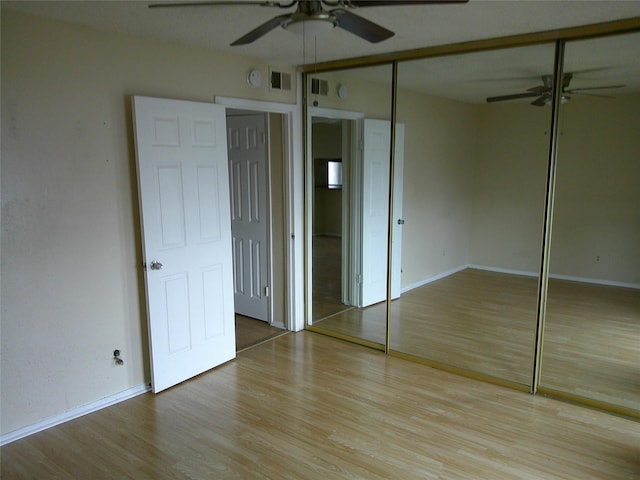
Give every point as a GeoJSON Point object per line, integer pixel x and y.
{"type": "Point", "coordinates": [485, 322]}
{"type": "Point", "coordinates": [305, 406]}
{"type": "Point", "coordinates": [250, 332]}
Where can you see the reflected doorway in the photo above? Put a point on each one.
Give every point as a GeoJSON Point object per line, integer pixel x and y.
{"type": "Point", "coordinates": [331, 218]}
{"type": "Point", "coordinates": [350, 221]}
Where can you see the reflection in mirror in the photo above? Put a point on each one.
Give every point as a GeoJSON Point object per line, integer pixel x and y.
{"type": "Point", "coordinates": [348, 136]}
{"type": "Point", "coordinates": [592, 327]}
{"type": "Point", "coordinates": [473, 202]}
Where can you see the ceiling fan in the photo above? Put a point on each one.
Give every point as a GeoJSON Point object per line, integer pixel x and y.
{"type": "Point", "coordinates": [544, 92]}
{"type": "Point", "coordinates": [312, 17]}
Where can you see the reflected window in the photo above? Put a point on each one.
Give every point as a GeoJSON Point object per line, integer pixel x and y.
{"type": "Point", "coordinates": [334, 173]}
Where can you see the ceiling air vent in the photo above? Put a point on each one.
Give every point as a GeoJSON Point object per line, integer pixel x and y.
{"type": "Point", "coordinates": [319, 87]}
{"type": "Point", "coordinates": [280, 81]}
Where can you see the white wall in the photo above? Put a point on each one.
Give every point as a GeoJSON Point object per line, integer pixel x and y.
{"type": "Point", "coordinates": [596, 227]}
{"type": "Point", "coordinates": [72, 289]}
{"type": "Point", "coordinates": [509, 184]}
{"type": "Point", "coordinates": [474, 188]}
{"type": "Point", "coordinates": [370, 97]}
{"type": "Point", "coordinates": [440, 144]}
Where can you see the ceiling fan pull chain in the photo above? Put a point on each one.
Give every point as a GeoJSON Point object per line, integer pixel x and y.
{"type": "Point", "coordinates": [315, 67]}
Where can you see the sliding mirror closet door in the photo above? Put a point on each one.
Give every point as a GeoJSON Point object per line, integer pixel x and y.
{"type": "Point", "coordinates": [476, 153]}
{"type": "Point", "coordinates": [591, 345]}
{"type": "Point", "coordinates": [348, 169]}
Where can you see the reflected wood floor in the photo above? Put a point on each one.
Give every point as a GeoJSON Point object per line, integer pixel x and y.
{"type": "Point", "coordinates": [327, 276]}
{"type": "Point", "coordinates": [485, 322]}
{"type": "Point", "coordinates": [592, 342]}
{"type": "Point", "coordinates": [306, 406]}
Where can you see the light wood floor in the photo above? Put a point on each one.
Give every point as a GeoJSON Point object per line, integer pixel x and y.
{"type": "Point", "coordinates": [250, 332]}
{"type": "Point", "coordinates": [485, 322]}
{"type": "Point", "coordinates": [305, 406]}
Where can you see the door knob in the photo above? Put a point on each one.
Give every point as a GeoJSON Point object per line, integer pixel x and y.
{"type": "Point", "coordinates": [156, 265]}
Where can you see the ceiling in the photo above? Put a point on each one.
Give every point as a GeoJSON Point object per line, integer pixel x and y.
{"type": "Point", "coordinates": [415, 26]}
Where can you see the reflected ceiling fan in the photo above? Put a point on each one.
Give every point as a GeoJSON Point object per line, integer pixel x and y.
{"type": "Point", "coordinates": [312, 17]}
{"type": "Point", "coordinates": [544, 92]}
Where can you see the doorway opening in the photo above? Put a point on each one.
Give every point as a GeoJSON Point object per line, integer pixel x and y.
{"type": "Point", "coordinates": [256, 176]}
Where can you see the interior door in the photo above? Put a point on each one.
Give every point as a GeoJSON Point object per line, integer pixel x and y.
{"type": "Point", "coordinates": [184, 199]}
{"type": "Point", "coordinates": [249, 213]}
{"type": "Point", "coordinates": [375, 210]}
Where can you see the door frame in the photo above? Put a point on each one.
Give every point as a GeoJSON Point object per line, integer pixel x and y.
{"type": "Point", "coordinates": [294, 198]}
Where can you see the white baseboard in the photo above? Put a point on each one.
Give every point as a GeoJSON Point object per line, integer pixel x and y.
{"type": "Point", "coordinates": [279, 325]}
{"type": "Point", "coordinates": [571, 278]}
{"type": "Point", "coordinates": [439, 276]}
{"type": "Point", "coordinates": [509, 271]}
{"type": "Point", "coordinates": [596, 281]}
{"type": "Point", "coordinates": [73, 413]}
{"type": "Point", "coordinates": [526, 273]}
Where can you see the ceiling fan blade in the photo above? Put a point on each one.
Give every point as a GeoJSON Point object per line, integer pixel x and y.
{"type": "Point", "coordinates": [515, 96]}
{"type": "Point", "coordinates": [542, 100]}
{"type": "Point", "coordinates": [263, 29]}
{"type": "Point", "coordinates": [604, 87]}
{"type": "Point", "coordinates": [361, 27]}
{"type": "Point", "coordinates": [220, 4]}
{"type": "Point", "coordinates": [539, 90]}
{"type": "Point", "coordinates": [383, 3]}
{"type": "Point", "coordinates": [591, 95]}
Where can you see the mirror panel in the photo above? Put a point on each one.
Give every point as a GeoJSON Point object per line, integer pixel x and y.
{"type": "Point", "coordinates": [592, 323]}
{"type": "Point", "coordinates": [473, 201]}
{"type": "Point", "coordinates": [348, 155]}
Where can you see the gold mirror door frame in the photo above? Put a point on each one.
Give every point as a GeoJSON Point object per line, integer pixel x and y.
{"type": "Point", "coordinates": [591, 350]}
{"type": "Point", "coordinates": [347, 223]}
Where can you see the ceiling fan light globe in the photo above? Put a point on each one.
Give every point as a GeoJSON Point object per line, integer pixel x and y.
{"type": "Point", "coordinates": [310, 27]}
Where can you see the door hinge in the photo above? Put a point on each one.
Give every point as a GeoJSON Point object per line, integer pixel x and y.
{"type": "Point", "coordinates": [264, 138]}
{"type": "Point", "coordinates": [144, 266]}
{"type": "Point", "coordinates": [266, 291]}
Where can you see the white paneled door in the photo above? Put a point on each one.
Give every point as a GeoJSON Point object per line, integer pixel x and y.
{"type": "Point", "coordinates": [375, 210]}
{"type": "Point", "coordinates": [247, 142]}
{"type": "Point", "coordinates": [184, 198]}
